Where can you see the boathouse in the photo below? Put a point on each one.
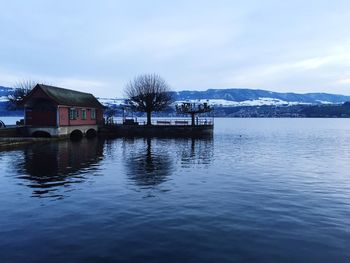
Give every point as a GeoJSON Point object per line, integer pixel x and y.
{"type": "Point", "coordinates": [53, 112]}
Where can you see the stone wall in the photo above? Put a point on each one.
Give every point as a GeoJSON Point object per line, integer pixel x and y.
{"type": "Point", "coordinates": [157, 130]}
{"type": "Point", "coordinates": [61, 131]}
{"type": "Point", "coordinates": [10, 132]}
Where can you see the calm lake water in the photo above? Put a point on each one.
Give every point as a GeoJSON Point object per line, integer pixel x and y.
{"type": "Point", "coordinates": [10, 120]}
{"type": "Point", "coordinates": [265, 190]}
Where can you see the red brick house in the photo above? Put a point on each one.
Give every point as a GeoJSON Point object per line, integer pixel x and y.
{"type": "Point", "coordinates": [61, 112]}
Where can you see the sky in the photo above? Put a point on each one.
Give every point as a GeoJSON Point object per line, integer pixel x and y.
{"type": "Point", "coordinates": [99, 46]}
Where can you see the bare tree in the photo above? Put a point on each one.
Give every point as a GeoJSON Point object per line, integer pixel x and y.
{"type": "Point", "coordinates": [148, 93]}
{"type": "Point", "coordinates": [193, 109]}
{"type": "Point", "coordinates": [20, 90]}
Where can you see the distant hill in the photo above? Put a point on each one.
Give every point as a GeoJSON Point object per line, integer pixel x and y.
{"type": "Point", "coordinates": [239, 97]}
{"type": "Point", "coordinates": [240, 102]}
{"type": "Point", "coordinates": [244, 95]}
{"type": "Point", "coordinates": [4, 91]}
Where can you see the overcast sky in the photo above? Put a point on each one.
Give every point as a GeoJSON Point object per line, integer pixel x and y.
{"type": "Point", "coordinates": [98, 46]}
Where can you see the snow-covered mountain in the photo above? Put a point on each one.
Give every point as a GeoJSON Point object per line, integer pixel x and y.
{"type": "Point", "coordinates": [251, 97]}
{"type": "Point", "coordinates": [248, 97]}
{"type": "Point", "coordinates": [255, 102]}
{"type": "Point", "coordinates": [111, 102]}
{"type": "Point", "coordinates": [4, 91]}
{"type": "Point", "coordinates": [233, 98]}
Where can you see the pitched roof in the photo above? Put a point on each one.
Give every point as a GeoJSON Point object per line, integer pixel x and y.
{"type": "Point", "coordinates": [70, 97]}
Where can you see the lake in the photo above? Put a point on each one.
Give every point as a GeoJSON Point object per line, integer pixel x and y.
{"type": "Point", "coordinates": [265, 190]}
{"type": "Point", "coordinates": [10, 120]}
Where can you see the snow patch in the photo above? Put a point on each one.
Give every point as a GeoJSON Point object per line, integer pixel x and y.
{"type": "Point", "coordinates": [3, 99]}
{"type": "Point", "coordinates": [109, 102]}
{"type": "Point", "coordinates": [324, 102]}
{"type": "Point", "coordinates": [257, 102]}
{"type": "Point", "coordinates": [263, 101]}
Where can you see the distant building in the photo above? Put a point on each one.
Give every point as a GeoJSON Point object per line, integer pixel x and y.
{"type": "Point", "coordinates": [54, 111]}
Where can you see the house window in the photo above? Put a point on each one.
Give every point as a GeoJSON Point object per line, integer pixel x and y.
{"type": "Point", "coordinates": [83, 114]}
{"type": "Point", "coordinates": [72, 113]}
{"type": "Point", "coordinates": [93, 114]}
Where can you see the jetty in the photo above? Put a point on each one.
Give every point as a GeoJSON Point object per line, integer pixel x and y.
{"type": "Point", "coordinates": [171, 127]}
{"type": "Point", "coordinates": [52, 113]}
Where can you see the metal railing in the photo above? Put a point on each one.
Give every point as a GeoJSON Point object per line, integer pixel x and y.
{"type": "Point", "coordinates": [163, 121]}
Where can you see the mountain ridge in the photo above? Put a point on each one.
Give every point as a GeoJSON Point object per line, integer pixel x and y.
{"type": "Point", "coordinates": [232, 97]}
{"type": "Point", "coordinates": [240, 95]}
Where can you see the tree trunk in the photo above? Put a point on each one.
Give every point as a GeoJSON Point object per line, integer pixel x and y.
{"type": "Point", "coordinates": [149, 118]}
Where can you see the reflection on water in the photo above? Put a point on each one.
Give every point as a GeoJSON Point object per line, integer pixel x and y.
{"type": "Point", "coordinates": [273, 190]}
{"type": "Point", "coordinates": [150, 161]}
{"type": "Point", "coordinates": [47, 167]}
{"type": "Point", "coordinates": [53, 169]}
{"type": "Point", "coordinates": [196, 151]}
{"type": "Point", "coordinates": [146, 165]}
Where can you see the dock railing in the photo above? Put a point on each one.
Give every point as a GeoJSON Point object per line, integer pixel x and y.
{"type": "Point", "coordinates": [164, 121]}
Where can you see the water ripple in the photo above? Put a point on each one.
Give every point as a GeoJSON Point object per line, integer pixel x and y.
{"type": "Point", "coordinates": [260, 190]}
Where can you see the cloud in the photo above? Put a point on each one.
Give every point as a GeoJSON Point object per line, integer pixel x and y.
{"type": "Point", "coordinates": [278, 45]}
{"type": "Point", "coordinates": [345, 81]}
{"type": "Point", "coordinates": [307, 74]}
{"type": "Point", "coordinates": [81, 84]}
